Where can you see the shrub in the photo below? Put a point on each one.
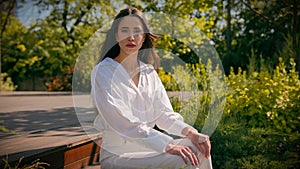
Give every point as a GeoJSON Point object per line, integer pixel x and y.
{"type": "Point", "coordinates": [266, 100]}
{"type": "Point", "coordinates": [202, 94]}
{"type": "Point", "coordinates": [260, 124]}
{"type": "Point", "coordinates": [6, 83]}
{"type": "Point", "coordinates": [61, 82]}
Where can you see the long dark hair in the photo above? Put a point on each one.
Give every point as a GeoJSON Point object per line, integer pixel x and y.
{"type": "Point", "coordinates": [111, 48]}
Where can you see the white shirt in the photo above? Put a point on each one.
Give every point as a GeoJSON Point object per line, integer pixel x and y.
{"type": "Point", "coordinates": [128, 112]}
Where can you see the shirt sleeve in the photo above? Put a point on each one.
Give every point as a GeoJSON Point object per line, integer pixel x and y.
{"type": "Point", "coordinates": [110, 103]}
{"type": "Point", "coordinates": [170, 121]}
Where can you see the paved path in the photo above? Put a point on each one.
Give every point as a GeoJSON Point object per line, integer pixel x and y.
{"type": "Point", "coordinates": [43, 120]}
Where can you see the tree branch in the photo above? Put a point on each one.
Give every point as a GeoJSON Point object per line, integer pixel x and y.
{"type": "Point", "coordinates": [263, 16]}
{"type": "Point", "coordinates": [10, 8]}
{"type": "Point", "coordinates": [255, 11]}
{"type": "Point", "coordinates": [83, 12]}
{"type": "Point", "coordinates": [65, 14]}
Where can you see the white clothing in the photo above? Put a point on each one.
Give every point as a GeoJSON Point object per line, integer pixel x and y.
{"type": "Point", "coordinates": [161, 161]}
{"type": "Point", "coordinates": [128, 112]}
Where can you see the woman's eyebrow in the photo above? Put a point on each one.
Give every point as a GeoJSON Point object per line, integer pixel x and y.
{"type": "Point", "coordinates": [125, 27]}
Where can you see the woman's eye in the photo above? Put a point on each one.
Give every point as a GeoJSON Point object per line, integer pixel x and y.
{"type": "Point", "coordinates": [124, 31]}
{"type": "Point", "coordinates": [137, 31]}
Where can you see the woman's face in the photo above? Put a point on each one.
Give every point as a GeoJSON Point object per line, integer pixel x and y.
{"type": "Point", "coordinates": [130, 35]}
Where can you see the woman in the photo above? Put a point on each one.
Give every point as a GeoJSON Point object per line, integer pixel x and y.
{"type": "Point", "coordinates": [131, 99]}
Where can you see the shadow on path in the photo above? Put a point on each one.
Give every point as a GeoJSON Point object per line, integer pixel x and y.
{"type": "Point", "coordinates": [38, 120]}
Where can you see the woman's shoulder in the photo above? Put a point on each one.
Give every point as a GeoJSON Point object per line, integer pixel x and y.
{"type": "Point", "coordinates": [106, 63]}
{"type": "Point", "coordinates": [144, 67]}
{"type": "Point", "coordinates": [104, 68]}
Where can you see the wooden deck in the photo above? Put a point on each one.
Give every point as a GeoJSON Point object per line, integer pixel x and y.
{"type": "Point", "coordinates": [49, 129]}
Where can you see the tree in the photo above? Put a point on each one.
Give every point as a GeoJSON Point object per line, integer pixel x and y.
{"type": "Point", "coordinates": [178, 24]}
{"type": "Point", "coordinates": [260, 28]}
{"type": "Point", "coordinates": [5, 13]}
{"type": "Point", "coordinates": [46, 50]}
{"type": "Point", "coordinates": [65, 31]}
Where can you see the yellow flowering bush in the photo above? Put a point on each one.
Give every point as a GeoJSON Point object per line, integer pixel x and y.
{"type": "Point", "coordinates": [268, 100]}
{"type": "Point", "coordinates": [21, 47]}
{"type": "Point", "coordinates": [167, 80]}
{"type": "Point", "coordinates": [260, 124]}
{"type": "Point", "coordinates": [6, 83]}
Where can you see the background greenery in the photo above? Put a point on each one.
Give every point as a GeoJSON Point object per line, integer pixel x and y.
{"type": "Point", "coordinates": [259, 127]}
{"type": "Point", "coordinates": [257, 41]}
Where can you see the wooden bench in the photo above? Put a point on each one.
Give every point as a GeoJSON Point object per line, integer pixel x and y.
{"type": "Point", "coordinates": [47, 129]}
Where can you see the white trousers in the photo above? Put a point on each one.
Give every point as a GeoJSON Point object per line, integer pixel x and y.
{"type": "Point", "coordinates": [161, 161]}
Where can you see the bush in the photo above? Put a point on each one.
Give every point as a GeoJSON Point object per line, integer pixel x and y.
{"type": "Point", "coordinates": [266, 100]}
{"type": "Point", "coordinates": [6, 83]}
{"type": "Point", "coordinates": [61, 82]}
{"type": "Point", "coordinates": [202, 88]}
{"type": "Point", "coordinates": [260, 124]}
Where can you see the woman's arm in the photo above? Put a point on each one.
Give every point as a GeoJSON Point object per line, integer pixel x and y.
{"type": "Point", "coordinates": [173, 123]}
{"type": "Point", "coordinates": [170, 121]}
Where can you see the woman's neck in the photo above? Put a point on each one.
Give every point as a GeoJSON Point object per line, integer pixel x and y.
{"type": "Point", "coordinates": [129, 62]}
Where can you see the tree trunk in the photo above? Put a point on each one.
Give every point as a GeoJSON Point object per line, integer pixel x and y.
{"type": "Point", "coordinates": [9, 8]}
{"type": "Point", "coordinates": [228, 33]}
{"type": "Point", "coordinates": [295, 32]}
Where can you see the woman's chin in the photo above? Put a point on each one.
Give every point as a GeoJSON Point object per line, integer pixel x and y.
{"type": "Point", "coordinates": [131, 51]}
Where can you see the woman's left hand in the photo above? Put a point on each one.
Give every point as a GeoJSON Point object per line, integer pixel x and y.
{"type": "Point", "coordinates": [201, 141]}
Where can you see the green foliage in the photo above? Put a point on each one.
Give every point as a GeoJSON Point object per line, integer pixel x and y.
{"type": "Point", "coordinates": [260, 127]}
{"type": "Point", "coordinates": [291, 49]}
{"type": "Point", "coordinates": [201, 91]}
{"type": "Point", "coordinates": [88, 58]}
{"type": "Point", "coordinates": [63, 37]}
{"type": "Point", "coordinates": [181, 25]}
{"type": "Point", "coordinates": [6, 83]}
{"type": "Point", "coordinates": [260, 124]}
{"type": "Point", "coordinates": [4, 129]}
{"type": "Point", "coordinates": [259, 25]}
{"type": "Point", "coordinates": [14, 51]}
{"type": "Point", "coordinates": [236, 145]}
{"type": "Point", "coordinates": [36, 164]}
{"type": "Point", "coordinates": [48, 48]}
{"type": "Point", "coordinates": [280, 104]}
{"type": "Point", "coordinates": [167, 79]}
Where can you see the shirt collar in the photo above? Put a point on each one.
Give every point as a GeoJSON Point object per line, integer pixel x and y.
{"type": "Point", "coordinates": [143, 66]}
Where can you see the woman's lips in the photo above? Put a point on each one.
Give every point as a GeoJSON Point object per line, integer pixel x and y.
{"type": "Point", "coordinates": [130, 45]}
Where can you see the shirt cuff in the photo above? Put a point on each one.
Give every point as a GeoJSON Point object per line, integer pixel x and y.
{"type": "Point", "coordinates": [158, 142]}
{"type": "Point", "coordinates": [177, 128]}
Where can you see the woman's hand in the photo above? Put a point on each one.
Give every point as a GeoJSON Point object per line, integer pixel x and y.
{"type": "Point", "coordinates": [184, 152]}
{"type": "Point", "coordinates": [200, 141]}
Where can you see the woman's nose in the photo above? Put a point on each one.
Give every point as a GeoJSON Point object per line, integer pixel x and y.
{"type": "Point", "coordinates": [130, 36]}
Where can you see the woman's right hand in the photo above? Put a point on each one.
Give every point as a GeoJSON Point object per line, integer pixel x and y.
{"type": "Point", "coordinates": [184, 152]}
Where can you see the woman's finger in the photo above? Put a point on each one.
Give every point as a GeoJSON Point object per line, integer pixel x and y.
{"type": "Point", "coordinates": [191, 156]}
{"type": "Point", "coordinates": [197, 145]}
{"type": "Point", "coordinates": [188, 154]}
{"type": "Point", "coordinates": [196, 160]}
{"type": "Point", "coordinates": [184, 157]}
{"type": "Point", "coordinates": [207, 146]}
{"type": "Point", "coordinates": [188, 149]}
